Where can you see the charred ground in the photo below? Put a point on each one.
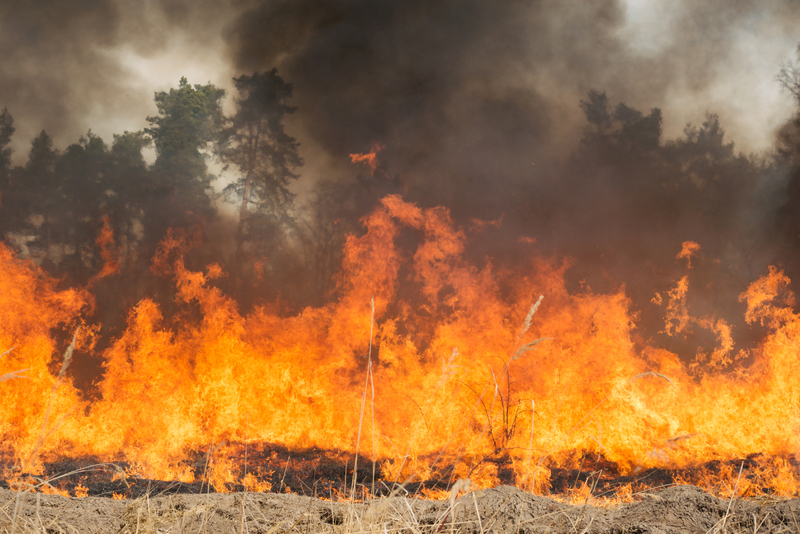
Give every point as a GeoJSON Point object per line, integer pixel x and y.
{"type": "Point", "coordinates": [329, 475]}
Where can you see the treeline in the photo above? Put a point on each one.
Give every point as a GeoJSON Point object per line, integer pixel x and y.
{"type": "Point", "coordinates": [55, 208]}
{"type": "Point", "coordinates": [622, 204]}
{"type": "Point", "coordinates": [627, 200]}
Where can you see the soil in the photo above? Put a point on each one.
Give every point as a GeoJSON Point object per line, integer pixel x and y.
{"type": "Point", "coordinates": [297, 478]}
{"type": "Point", "coordinates": [326, 473]}
{"type": "Point", "coordinates": [678, 509]}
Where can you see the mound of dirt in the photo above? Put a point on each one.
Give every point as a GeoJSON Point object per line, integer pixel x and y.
{"type": "Point", "coordinates": [681, 509]}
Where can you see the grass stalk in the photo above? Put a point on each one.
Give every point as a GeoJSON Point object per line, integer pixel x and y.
{"type": "Point", "coordinates": [244, 486]}
{"type": "Point", "coordinates": [363, 403]}
{"type": "Point", "coordinates": [442, 379]}
{"type": "Point", "coordinates": [64, 366]}
{"type": "Point", "coordinates": [530, 447]}
{"type": "Point", "coordinates": [12, 374]}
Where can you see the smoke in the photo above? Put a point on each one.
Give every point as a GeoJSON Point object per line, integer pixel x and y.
{"type": "Point", "coordinates": [478, 107]}
{"type": "Point", "coordinates": [48, 54]}
{"type": "Point", "coordinates": [70, 66]}
{"type": "Point", "coordinates": [444, 86]}
{"type": "Point", "coordinates": [459, 91]}
{"type": "Point", "coordinates": [453, 87]}
{"type": "Point", "coordinates": [476, 103]}
{"type": "Point", "coordinates": [473, 96]}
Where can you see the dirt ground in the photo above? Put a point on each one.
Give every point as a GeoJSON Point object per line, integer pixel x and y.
{"type": "Point", "coordinates": [679, 509]}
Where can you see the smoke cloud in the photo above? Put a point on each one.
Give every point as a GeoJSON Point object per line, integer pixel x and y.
{"type": "Point", "coordinates": [478, 108]}
{"type": "Point", "coordinates": [77, 65]}
{"type": "Point", "coordinates": [467, 94]}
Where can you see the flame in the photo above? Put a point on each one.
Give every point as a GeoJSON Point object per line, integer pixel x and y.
{"type": "Point", "coordinates": [479, 225]}
{"type": "Point", "coordinates": [370, 158]}
{"type": "Point", "coordinates": [105, 242]}
{"type": "Point", "coordinates": [678, 321]}
{"type": "Point", "coordinates": [465, 367]}
{"type": "Point", "coordinates": [689, 249]}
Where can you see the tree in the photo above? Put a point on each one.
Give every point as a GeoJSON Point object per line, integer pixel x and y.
{"type": "Point", "coordinates": [331, 212]}
{"type": "Point", "coordinates": [789, 134]}
{"type": "Point", "coordinates": [81, 173]}
{"type": "Point", "coordinates": [789, 77]}
{"type": "Point", "coordinates": [621, 134]}
{"type": "Point", "coordinates": [257, 144]}
{"type": "Point", "coordinates": [37, 190]}
{"type": "Point", "coordinates": [188, 120]}
{"type": "Point", "coordinates": [787, 219]}
{"type": "Point", "coordinates": [6, 131]}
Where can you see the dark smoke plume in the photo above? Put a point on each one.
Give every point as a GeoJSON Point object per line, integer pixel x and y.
{"type": "Point", "coordinates": [478, 105]}
{"type": "Point", "coordinates": [562, 122]}
{"type": "Point", "coordinates": [471, 98]}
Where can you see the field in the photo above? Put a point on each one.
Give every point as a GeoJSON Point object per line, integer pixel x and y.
{"type": "Point", "coordinates": [678, 509]}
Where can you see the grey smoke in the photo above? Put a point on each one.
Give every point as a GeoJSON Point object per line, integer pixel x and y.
{"type": "Point", "coordinates": [476, 93]}
{"type": "Point", "coordinates": [475, 101]}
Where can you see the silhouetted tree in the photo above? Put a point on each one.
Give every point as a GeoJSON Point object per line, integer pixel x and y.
{"type": "Point", "coordinates": [331, 212]}
{"type": "Point", "coordinates": [6, 132]}
{"type": "Point", "coordinates": [130, 186]}
{"type": "Point", "coordinates": [789, 77]}
{"type": "Point", "coordinates": [788, 162]}
{"type": "Point", "coordinates": [257, 144]}
{"type": "Point", "coordinates": [82, 173]}
{"type": "Point", "coordinates": [39, 191]}
{"type": "Point", "coordinates": [188, 120]}
{"type": "Point", "coordinates": [629, 200]}
{"type": "Point", "coordinates": [620, 136]}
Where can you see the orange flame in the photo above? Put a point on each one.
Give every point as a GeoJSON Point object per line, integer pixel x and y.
{"type": "Point", "coordinates": [479, 225]}
{"type": "Point", "coordinates": [689, 249]}
{"type": "Point", "coordinates": [370, 159]}
{"type": "Point", "coordinates": [105, 242]}
{"type": "Point", "coordinates": [464, 370]}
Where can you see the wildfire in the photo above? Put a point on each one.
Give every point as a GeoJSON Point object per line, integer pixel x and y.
{"type": "Point", "coordinates": [462, 371]}
{"type": "Point", "coordinates": [688, 249]}
{"type": "Point", "coordinates": [105, 242]}
{"type": "Point", "coordinates": [370, 159]}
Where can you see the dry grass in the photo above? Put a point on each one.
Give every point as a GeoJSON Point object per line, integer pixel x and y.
{"type": "Point", "coordinates": [28, 511]}
{"type": "Point", "coordinates": [464, 513]}
{"type": "Point", "coordinates": [12, 374]}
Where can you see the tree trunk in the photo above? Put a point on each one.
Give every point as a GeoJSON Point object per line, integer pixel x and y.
{"type": "Point", "coordinates": [251, 165]}
{"type": "Point", "coordinates": [243, 211]}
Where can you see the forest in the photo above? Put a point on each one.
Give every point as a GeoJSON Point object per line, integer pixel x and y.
{"type": "Point", "coordinates": [94, 213]}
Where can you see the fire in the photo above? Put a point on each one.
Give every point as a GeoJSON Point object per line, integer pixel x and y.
{"type": "Point", "coordinates": [105, 242]}
{"type": "Point", "coordinates": [688, 249]}
{"type": "Point", "coordinates": [370, 159]}
{"type": "Point", "coordinates": [426, 364]}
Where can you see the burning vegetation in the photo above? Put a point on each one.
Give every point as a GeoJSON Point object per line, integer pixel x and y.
{"type": "Point", "coordinates": [425, 367]}
{"type": "Point", "coordinates": [581, 342]}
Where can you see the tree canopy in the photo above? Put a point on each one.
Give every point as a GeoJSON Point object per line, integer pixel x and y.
{"type": "Point", "coordinates": [625, 189]}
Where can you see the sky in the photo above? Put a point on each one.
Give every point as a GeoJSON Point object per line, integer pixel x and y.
{"type": "Point", "coordinates": [447, 85]}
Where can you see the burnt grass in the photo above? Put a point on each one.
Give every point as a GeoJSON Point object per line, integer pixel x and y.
{"type": "Point", "coordinates": [329, 474]}
{"type": "Point", "coordinates": [506, 509]}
